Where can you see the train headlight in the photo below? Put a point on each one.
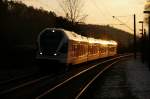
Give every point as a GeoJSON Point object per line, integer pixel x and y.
{"type": "Point", "coordinates": [41, 53]}
{"type": "Point", "coordinates": [55, 54]}
{"type": "Point", "coordinates": [53, 30]}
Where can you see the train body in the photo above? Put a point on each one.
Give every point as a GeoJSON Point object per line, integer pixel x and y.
{"type": "Point", "coordinates": [70, 48]}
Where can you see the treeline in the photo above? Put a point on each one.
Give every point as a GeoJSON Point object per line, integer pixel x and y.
{"type": "Point", "coordinates": [21, 24]}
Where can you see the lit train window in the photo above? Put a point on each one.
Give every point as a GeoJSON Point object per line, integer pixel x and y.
{"type": "Point", "coordinates": [112, 49]}
{"type": "Point", "coordinates": [102, 50]}
{"type": "Point", "coordinates": [74, 50]}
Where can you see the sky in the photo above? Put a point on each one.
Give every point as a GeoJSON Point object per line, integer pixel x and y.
{"type": "Point", "coordinates": [101, 11]}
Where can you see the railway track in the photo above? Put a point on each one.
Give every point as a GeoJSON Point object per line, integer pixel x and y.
{"type": "Point", "coordinates": [9, 88]}
{"type": "Point", "coordinates": [75, 86]}
{"type": "Point", "coordinates": [92, 80]}
{"type": "Point", "coordinates": [69, 85]}
{"type": "Point", "coordinates": [21, 82]}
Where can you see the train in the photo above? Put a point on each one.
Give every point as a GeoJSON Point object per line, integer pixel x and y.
{"type": "Point", "coordinates": [69, 48]}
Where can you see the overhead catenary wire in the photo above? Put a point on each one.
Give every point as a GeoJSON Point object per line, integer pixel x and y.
{"type": "Point", "coordinates": [123, 23]}
{"type": "Point", "coordinates": [100, 11]}
{"type": "Point", "coordinates": [107, 10]}
{"type": "Point", "coordinates": [108, 14]}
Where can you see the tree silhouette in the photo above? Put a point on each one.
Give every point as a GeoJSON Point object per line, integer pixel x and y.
{"type": "Point", "coordinates": [21, 24]}
{"type": "Point", "coordinates": [73, 10]}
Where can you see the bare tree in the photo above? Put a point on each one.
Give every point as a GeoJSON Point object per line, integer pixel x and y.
{"type": "Point", "coordinates": [73, 10]}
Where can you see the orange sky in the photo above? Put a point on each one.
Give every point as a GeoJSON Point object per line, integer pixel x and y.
{"type": "Point", "coordinates": [101, 11]}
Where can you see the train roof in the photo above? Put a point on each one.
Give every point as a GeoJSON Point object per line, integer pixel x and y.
{"type": "Point", "coordinates": [76, 37]}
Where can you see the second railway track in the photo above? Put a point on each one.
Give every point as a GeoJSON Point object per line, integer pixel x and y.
{"type": "Point", "coordinates": [65, 86]}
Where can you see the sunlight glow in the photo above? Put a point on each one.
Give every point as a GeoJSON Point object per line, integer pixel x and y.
{"type": "Point", "coordinates": [99, 11]}
{"type": "Point", "coordinates": [103, 42]}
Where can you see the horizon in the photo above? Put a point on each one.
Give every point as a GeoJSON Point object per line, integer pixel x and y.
{"type": "Point", "coordinates": [100, 15]}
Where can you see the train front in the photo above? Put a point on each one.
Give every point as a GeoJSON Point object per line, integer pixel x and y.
{"type": "Point", "coordinates": [52, 45]}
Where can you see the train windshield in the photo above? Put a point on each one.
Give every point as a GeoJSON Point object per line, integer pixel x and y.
{"type": "Point", "coordinates": [50, 40]}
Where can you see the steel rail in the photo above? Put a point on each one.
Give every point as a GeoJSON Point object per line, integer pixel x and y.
{"type": "Point", "coordinates": [14, 79]}
{"type": "Point", "coordinates": [24, 84]}
{"type": "Point", "coordinates": [78, 74]}
{"type": "Point", "coordinates": [91, 81]}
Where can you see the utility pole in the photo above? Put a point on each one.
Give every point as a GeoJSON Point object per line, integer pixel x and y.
{"type": "Point", "coordinates": [149, 27]}
{"type": "Point", "coordinates": [134, 36]}
{"type": "Point", "coordinates": [142, 45]}
{"type": "Point", "coordinates": [148, 12]}
{"type": "Point", "coordinates": [148, 57]}
{"type": "Point", "coordinates": [142, 28]}
{"type": "Point", "coordinates": [134, 44]}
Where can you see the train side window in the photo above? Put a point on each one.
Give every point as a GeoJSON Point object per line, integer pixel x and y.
{"type": "Point", "coordinates": [72, 50]}
{"type": "Point", "coordinates": [80, 50]}
{"type": "Point", "coordinates": [102, 50]}
{"type": "Point", "coordinates": [76, 50]}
